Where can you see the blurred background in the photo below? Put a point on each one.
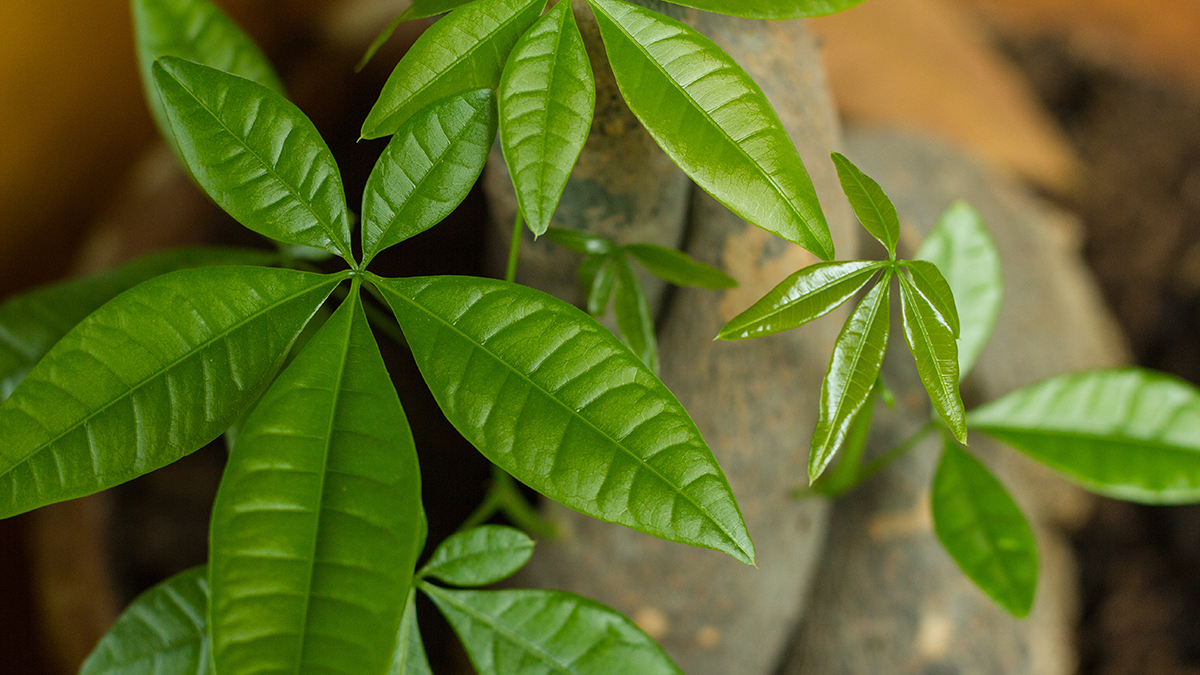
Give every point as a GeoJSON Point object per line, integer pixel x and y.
{"type": "Point", "coordinates": [1094, 103]}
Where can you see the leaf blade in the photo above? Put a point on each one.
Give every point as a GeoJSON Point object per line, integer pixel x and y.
{"type": "Point", "coordinates": [634, 319]}
{"type": "Point", "coordinates": [479, 556]}
{"type": "Point", "coordinates": [419, 9]}
{"type": "Point", "coordinates": [775, 10]}
{"type": "Point", "coordinates": [580, 242]}
{"type": "Point", "coordinates": [873, 208]}
{"type": "Point", "coordinates": [927, 280]}
{"type": "Point", "coordinates": [679, 268]}
{"type": "Point", "coordinates": [578, 386]}
{"type": "Point", "coordinates": [409, 657]}
{"type": "Point", "coordinates": [719, 127]}
{"type": "Point", "coordinates": [597, 275]}
{"type": "Point", "coordinates": [932, 344]}
{"type": "Point", "coordinates": [984, 531]}
{"type": "Point", "coordinates": [67, 426]}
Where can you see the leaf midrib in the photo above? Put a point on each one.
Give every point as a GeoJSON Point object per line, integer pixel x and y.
{"type": "Point", "coordinates": [585, 420]}
{"type": "Point", "coordinates": [780, 309]}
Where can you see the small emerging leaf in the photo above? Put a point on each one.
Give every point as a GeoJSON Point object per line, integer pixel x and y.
{"type": "Point", "coordinates": [927, 280]}
{"type": "Point", "coordinates": [983, 529]}
{"type": "Point", "coordinates": [409, 657]}
{"type": "Point", "coordinates": [462, 52]}
{"type": "Point", "coordinates": [536, 632]}
{"type": "Point", "coordinates": [557, 401]}
{"type": "Point", "coordinates": [963, 251]}
{"type": "Point", "coordinates": [597, 274]}
{"type": "Point", "coordinates": [853, 369]}
{"type": "Point", "coordinates": [1128, 434]}
{"type": "Point", "coordinates": [933, 347]}
{"type": "Point", "coordinates": [580, 242]}
{"type": "Point", "coordinates": [427, 169]}
{"type": "Point", "coordinates": [633, 315]}
{"type": "Point", "coordinates": [713, 120]}
{"type": "Point", "coordinates": [419, 9]}
{"type": "Point", "coordinates": [873, 208]}
{"type": "Point", "coordinates": [256, 155]}
{"type": "Point", "coordinates": [162, 632]}
{"type": "Point", "coordinates": [808, 294]}
{"type": "Point", "coordinates": [678, 267]}
{"type": "Point", "coordinates": [480, 556]}
{"type": "Point", "coordinates": [547, 99]}
{"type": "Point", "coordinates": [771, 9]}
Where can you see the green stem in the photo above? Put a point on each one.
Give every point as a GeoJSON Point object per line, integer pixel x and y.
{"type": "Point", "coordinates": [505, 496]}
{"type": "Point", "coordinates": [514, 249]}
{"type": "Point", "coordinates": [879, 463]}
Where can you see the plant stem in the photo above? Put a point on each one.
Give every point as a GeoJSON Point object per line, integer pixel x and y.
{"type": "Point", "coordinates": [514, 250]}
{"type": "Point", "coordinates": [505, 496]}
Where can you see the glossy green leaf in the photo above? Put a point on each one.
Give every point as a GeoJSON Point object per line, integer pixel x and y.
{"type": "Point", "coordinates": [678, 267]}
{"type": "Point", "coordinates": [317, 525]}
{"type": "Point", "coordinates": [806, 295]}
{"type": "Point", "coordinates": [537, 632]}
{"type": "Point", "coordinates": [771, 9]}
{"type": "Point", "coordinates": [155, 374]}
{"type": "Point", "coordinates": [927, 280]}
{"type": "Point", "coordinates": [199, 31]}
{"type": "Point", "coordinates": [32, 322]}
{"type": "Point", "coordinates": [853, 369]}
{"type": "Point", "coordinates": [557, 401]}
{"type": "Point", "coordinates": [848, 471]}
{"type": "Point", "coordinates": [256, 155]}
{"type": "Point", "coordinates": [162, 632]}
{"type": "Point", "coordinates": [634, 319]}
{"type": "Point", "coordinates": [427, 169]}
{"type": "Point", "coordinates": [462, 52]}
{"type": "Point", "coordinates": [873, 208]}
{"type": "Point", "coordinates": [419, 9]}
{"type": "Point", "coordinates": [965, 254]}
{"type": "Point", "coordinates": [409, 657]}
{"type": "Point", "coordinates": [933, 346]}
{"type": "Point", "coordinates": [547, 99]}
{"type": "Point", "coordinates": [1128, 434]}
{"type": "Point", "coordinates": [713, 120]}
{"type": "Point", "coordinates": [580, 242]}
{"type": "Point", "coordinates": [983, 529]}
{"type": "Point", "coordinates": [479, 556]}
{"type": "Point", "coordinates": [598, 274]}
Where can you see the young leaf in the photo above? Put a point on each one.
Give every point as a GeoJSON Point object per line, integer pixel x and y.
{"type": "Point", "coordinates": [480, 556]}
{"type": "Point", "coordinates": [678, 267]}
{"type": "Point", "coordinates": [409, 657]}
{"type": "Point", "coordinates": [427, 169]}
{"type": "Point", "coordinates": [963, 251]}
{"type": "Point", "coordinates": [1129, 434]}
{"type": "Point", "coordinates": [713, 121]}
{"type": "Point", "coordinates": [848, 471]}
{"type": "Point", "coordinates": [317, 524]}
{"type": "Point", "coordinates": [419, 9]}
{"type": "Point", "coordinates": [547, 632]}
{"type": "Point", "coordinates": [32, 322]}
{"type": "Point", "coordinates": [873, 208]}
{"type": "Point", "coordinates": [199, 31]}
{"type": "Point", "coordinates": [853, 369]}
{"type": "Point", "coordinates": [932, 344]}
{"type": "Point", "coordinates": [597, 275]}
{"type": "Point", "coordinates": [580, 242]}
{"type": "Point", "coordinates": [162, 632]}
{"type": "Point", "coordinates": [633, 315]}
{"type": "Point", "coordinates": [983, 529]}
{"type": "Point", "coordinates": [547, 99]}
{"type": "Point", "coordinates": [462, 52]}
{"type": "Point", "coordinates": [153, 375]}
{"type": "Point", "coordinates": [771, 9]}
{"type": "Point", "coordinates": [558, 402]}
{"type": "Point", "coordinates": [808, 294]}
{"type": "Point", "coordinates": [927, 280]}
{"type": "Point", "coordinates": [256, 155]}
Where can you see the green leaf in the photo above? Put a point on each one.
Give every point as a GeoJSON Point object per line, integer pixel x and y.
{"type": "Point", "coordinates": [678, 267]}
{"type": "Point", "coordinates": [771, 9]}
{"type": "Point", "coordinates": [419, 9]}
{"type": "Point", "coordinates": [808, 294]}
{"type": "Point", "coordinates": [547, 99]}
{"type": "Point", "coordinates": [597, 274]}
{"type": "Point", "coordinates": [256, 155]}
{"type": "Point", "coordinates": [162, 632]}
{"type": "Point", "coordinates": [983, 529]}
{"type": "Point", "coordinates": [536, 632]}
{"type": "Point", "coordinates": [199, 31]}
{"type": "Point", "coordinates": [155, 374]}
{"type": "Point", "coordinates": [633, 315]}
{"type": "Point", "coordinates": [462, 52]}
{"type": "Point", "coordinates": [713, 121]}
{"type": "Point", "coordinates": [580, 242]}
{"type": "Point", "coordinates": [848, 471]}
{"type": "Point", "coordinates": [480, 556]}
{"type": "Point", "coordinates": [927, 280]}
{"type": "Point", "coordinates": [427, 170]}
{"type": "Point", "coordinates": [1129, 434]}
{"type": "Point", "coordinates": [317, 524]}
{"type": "Point", "coordinates": [853, 369]}
{"type": "Point", "coordinates": [32, 322]}
{"type": "Point", "coordinates": [409, 657]}
{"type": "Point", "coordinates": [557, 401]}
{"type": "Point", "coordinates": [932, 345]}
{"type": "Point", "coordinates": [963, 251]}
{"type": "Point", "coordinates": [873, 208]}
